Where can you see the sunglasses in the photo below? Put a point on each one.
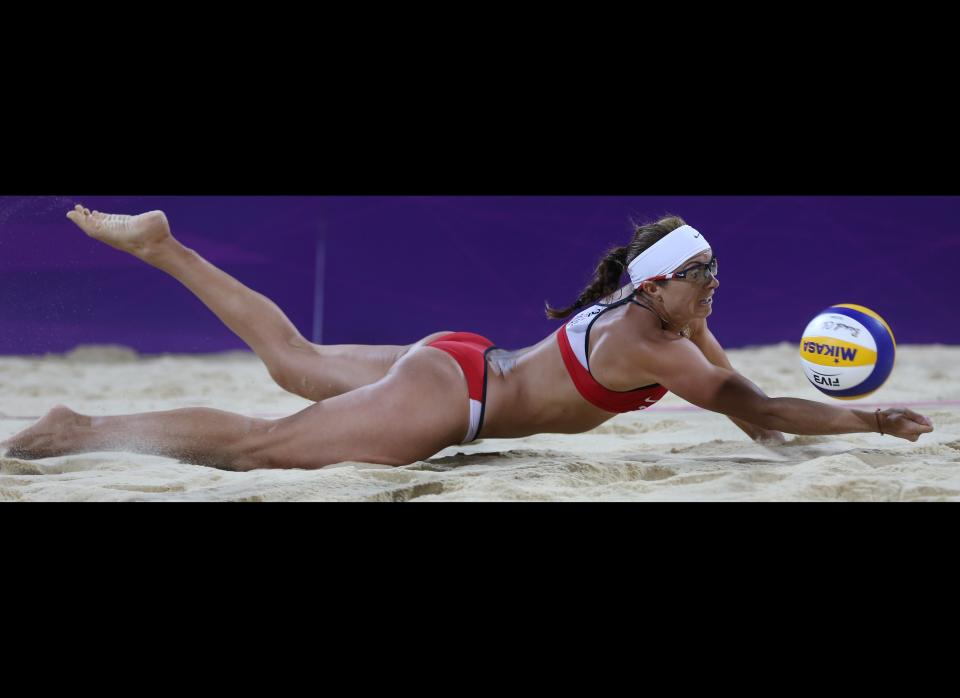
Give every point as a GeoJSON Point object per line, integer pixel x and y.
{"type": "Point", "coordinates": [699, 274]}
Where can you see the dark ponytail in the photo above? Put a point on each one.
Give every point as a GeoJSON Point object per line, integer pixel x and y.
{"type": "Point", "coordinates": [611, 268]}
{"type": "Point", "coordinates": [606, 280]}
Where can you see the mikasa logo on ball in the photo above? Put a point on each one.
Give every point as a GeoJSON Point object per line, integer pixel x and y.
{"type": "Point", "coordinates": [845, 353]}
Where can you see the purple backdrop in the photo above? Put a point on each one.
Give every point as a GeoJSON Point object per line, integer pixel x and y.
{"type": "Point", "coordinates": [375, 269]}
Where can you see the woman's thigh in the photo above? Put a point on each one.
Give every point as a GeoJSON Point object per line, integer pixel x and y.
{"type": "Point", "coordinates": [417, 409]}
{"type": "Point", "coordinates": [319, 372]}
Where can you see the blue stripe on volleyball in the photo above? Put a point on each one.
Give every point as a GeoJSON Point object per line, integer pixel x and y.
{"type": "Point", "coordinates": [886, 353]}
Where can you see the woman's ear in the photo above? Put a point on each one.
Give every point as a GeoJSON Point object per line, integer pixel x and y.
{"type": "Point", "coordinates": [652, 289]}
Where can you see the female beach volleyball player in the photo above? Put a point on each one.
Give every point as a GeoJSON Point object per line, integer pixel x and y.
{"type": "Point", "coordinates": [396, 405]}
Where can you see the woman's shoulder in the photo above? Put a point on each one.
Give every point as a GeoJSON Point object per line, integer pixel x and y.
{"type": "Point", "coordinates": [644, 338]}
{"type": "Point", "coordinates": [630, 341]}
{"type": "Point", "coordinates": [624, 353]}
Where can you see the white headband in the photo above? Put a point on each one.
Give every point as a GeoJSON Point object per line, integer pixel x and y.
{"type": "Point", "coordinates": [666, 255]}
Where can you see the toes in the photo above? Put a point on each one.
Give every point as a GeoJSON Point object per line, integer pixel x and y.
{"type": "Point", "coordinates": [78, 218]}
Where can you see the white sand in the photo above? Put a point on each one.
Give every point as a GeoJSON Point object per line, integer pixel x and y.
{"type": "Point", "coordinates": [670, 452]}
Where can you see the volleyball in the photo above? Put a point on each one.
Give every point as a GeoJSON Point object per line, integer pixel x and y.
{"type": "Point", "coordinates": [847, 351]}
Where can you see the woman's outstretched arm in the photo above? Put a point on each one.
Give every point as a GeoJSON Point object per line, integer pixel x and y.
{"type": "Point", "coordinates": [681, 368]}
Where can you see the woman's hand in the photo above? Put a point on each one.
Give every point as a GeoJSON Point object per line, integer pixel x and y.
{"type": "Point", "coordinates": [903, 423]}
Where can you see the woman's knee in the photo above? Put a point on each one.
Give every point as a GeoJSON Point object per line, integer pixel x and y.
{"type": "Point", "coordinates": [303, 372]}
{"type": "Point", "coordinates": [294, 380]}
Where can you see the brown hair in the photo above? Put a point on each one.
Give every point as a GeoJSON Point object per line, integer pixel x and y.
{"type": "Point", "coordinates": [614, 263]}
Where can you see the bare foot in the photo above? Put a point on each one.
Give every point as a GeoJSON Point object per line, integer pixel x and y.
{"type": "Point", "coordinates": [54, 435]}
{"type": "Point", "coordinates": [138, 235]}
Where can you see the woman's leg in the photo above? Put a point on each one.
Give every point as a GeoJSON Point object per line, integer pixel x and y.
{"type": "Point", "coordinates": [312, 371]}
{"type": "Point", "coordinates": [419, 408]}
{"type": "Point", "coordinates": [195, 435]}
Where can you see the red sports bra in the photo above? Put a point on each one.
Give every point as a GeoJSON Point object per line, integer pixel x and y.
{"type": "Point", "coordinates": [574, 341]}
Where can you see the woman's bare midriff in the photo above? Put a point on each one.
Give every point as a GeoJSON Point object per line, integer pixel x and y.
{"type": "Point", "coordinates": [536, 397]}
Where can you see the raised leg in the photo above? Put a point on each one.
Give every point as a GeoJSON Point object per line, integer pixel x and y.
{"type": "Point", "coordinates": [310, 370]}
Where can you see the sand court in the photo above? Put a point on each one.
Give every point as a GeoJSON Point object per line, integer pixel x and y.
{"type": "Point", "coordinates": [671, 452]}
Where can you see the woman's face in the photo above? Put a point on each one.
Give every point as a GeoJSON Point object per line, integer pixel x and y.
{"type": "Point", "coordinates": [691, 297]}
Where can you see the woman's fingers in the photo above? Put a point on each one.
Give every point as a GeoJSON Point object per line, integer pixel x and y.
{"type": "Point", "coordinates": [919, 418]}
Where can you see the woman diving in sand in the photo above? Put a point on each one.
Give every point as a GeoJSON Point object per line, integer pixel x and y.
{"type": "Point", "coordinates": [622, 350]}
